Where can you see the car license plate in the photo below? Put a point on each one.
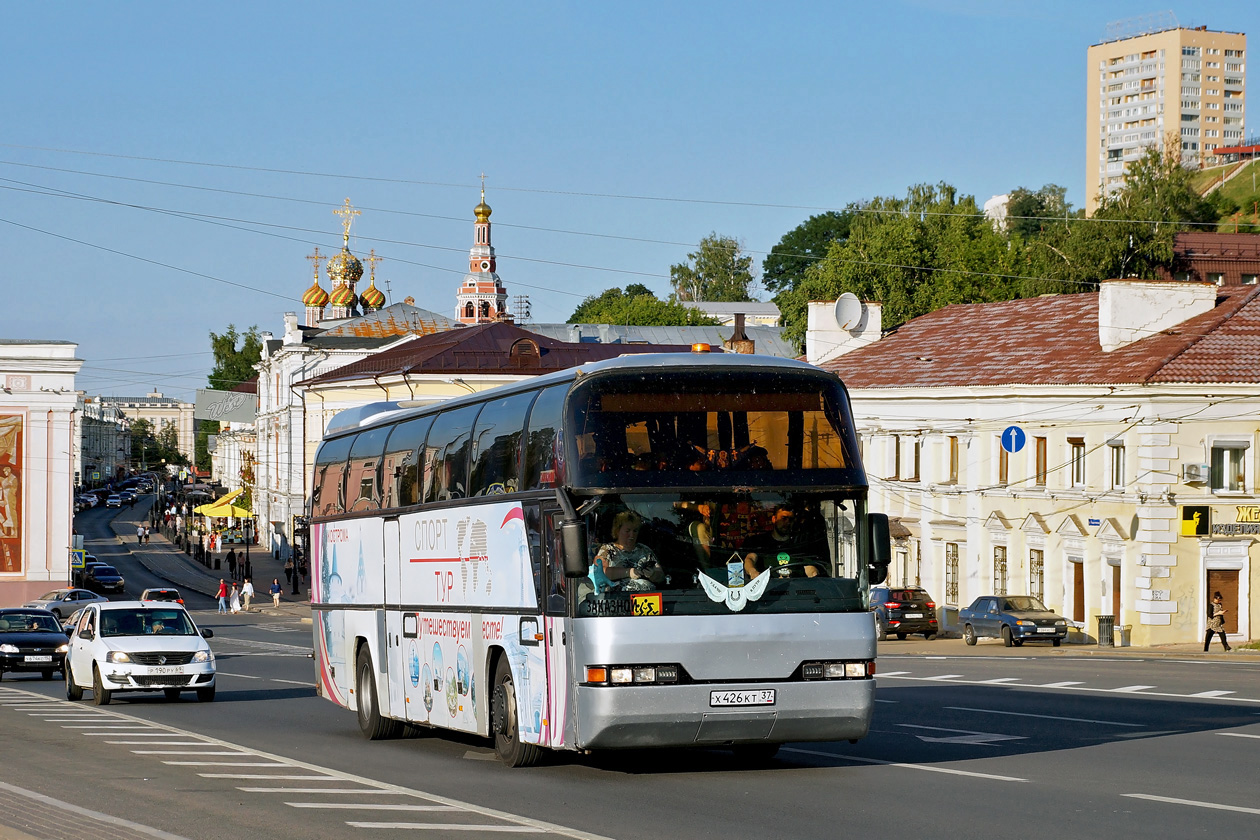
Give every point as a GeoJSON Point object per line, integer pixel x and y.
{"type": "Point", "coordinates": [761, 697]}
{"type": "Point", "coordinates": [169, 669]}
{"type": "Point", "coordinates": [38, 659]}
{"type": "Point", "coordinates": [914, 615]}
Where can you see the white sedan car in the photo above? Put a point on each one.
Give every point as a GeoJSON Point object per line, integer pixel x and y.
{"type": "Point", "coordinates": [138, 646]}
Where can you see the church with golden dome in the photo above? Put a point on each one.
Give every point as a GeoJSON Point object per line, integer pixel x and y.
{"type": "Point", "coordinates": [344, 271]}
{"type": "Point", "coordinates": [481, 297]}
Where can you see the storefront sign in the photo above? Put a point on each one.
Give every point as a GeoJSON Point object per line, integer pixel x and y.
{"type": "Point", "coordinates": [1214, 521]}
{"type": "Point", "coordinates": [225, 406]}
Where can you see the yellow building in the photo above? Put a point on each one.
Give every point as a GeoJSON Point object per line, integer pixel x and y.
{"type": "Point", "coordinates": [1096, 450]}
{"type": "Point", "coordinates": [1145, 88]}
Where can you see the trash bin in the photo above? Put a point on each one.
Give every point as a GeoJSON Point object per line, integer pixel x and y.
{"type": "Point", "coordinates": [1106, 631]}
{"type": "Point", "coordinates": [1124, 632]}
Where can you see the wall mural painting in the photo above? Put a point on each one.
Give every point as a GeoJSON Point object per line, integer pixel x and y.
{"type": "Point", "coordinates": [11, 493]}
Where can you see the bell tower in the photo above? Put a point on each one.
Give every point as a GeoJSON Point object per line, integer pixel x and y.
{"type": "Point", "coordinates": [481, 297]}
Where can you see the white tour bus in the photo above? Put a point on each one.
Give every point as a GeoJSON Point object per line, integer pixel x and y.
{"type": "Point", "coordinates": [656, 550]}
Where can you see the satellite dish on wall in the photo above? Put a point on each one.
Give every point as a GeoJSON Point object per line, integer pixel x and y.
{"type": "Point", "coordinates": [848, 311]}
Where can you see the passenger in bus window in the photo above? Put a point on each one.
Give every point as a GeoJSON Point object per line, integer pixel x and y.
{"type": "Point", "coordinates": [700, 534]}
{"type": "Point", "coordinates": [627, 560]}
{"type": "Point", "coordinates": [786, 545]}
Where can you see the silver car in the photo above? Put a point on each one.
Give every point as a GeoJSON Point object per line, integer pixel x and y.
{"type": "Point", "coordinates": [62, 602]}
{"type": "Point", "coordinates": [138, 646]}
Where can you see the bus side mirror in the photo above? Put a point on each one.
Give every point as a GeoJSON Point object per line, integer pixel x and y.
{"type": "Point", "coordinates": [881, 548]}
{"type": "Point", "coordinates": [573, 544]}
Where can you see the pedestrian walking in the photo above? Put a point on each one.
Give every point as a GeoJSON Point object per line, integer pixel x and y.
{"type": "Point", "coordinates": [139, 533]}
{"type": "Point", "coordinates": [146, 534]}
{"type": "Point", "coordinates": [275, 591]}
{"type": "Point", "coordinates": [222, 595]}
{"type": "Point", "coordinates": [231, 561]}
{"type": "Point", "coordinates": [1216, 622]}
{"type": "Point", "coordinates": [247, 594]}
{"type": "Point", "coordinates": [288, 571]}
{"type": "Point", "coordinates": [235, 599]}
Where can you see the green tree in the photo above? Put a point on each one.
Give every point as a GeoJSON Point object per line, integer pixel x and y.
{"type": "Point", "coordinates": [718, 270]}
{"type": "Point", "coordinates": [636, 306]}
{"type": "Point", "coordinates": [1030, 213]}
{"type": "Point", "coordinates": [168, 444]}
{"type": "Point", "coordinates": [803, 246]}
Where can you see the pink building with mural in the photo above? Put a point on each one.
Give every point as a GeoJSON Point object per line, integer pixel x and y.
{"type": "Point", "coordinates": [37, 453]}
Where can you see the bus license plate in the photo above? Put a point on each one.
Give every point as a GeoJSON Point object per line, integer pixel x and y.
{"type": "Point", "coordinates": [34, 658]}
{"type": "Point", "coordinates": [762, 697]}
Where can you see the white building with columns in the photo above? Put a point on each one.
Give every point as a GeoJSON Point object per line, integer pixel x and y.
{"type": "Point", "coordinates": [37, 455]}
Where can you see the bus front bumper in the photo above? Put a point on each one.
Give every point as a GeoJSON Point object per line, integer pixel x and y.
{"type": "Point", "coordinates": [628, 717]}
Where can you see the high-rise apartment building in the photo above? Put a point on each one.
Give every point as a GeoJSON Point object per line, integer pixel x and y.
{"type": "Point", "coordinates": [1156, 81]}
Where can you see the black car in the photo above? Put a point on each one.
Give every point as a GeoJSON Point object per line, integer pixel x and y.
{"type": "Point", "coordinates": [31, 640]}
{"type": "Point", "coordinates": [903, 610]}
{"type": "Point", "coordinates": [104, 579]}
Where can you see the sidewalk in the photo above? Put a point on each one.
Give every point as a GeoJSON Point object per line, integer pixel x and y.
{"type": "Point", "coordinates": [163, 559]}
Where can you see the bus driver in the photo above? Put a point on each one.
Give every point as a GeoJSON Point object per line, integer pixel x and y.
{"type": "Point", "coordinates": [626, 560]}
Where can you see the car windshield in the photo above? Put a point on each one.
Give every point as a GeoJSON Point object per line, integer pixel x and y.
{"type": "Point", "coordinates": [55, 595]}
{"type": "Point", "coordinates": [1025, 603]}
{"type": "Point", "coordinates": [29, 623]}
{"type": "Point", "coordinates": [104, 570]}
{"type": "Point", "coordinates": [146, 622]}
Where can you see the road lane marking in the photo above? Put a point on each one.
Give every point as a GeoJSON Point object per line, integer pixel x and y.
{"type": "Point", "coordinates": [1000, 680]}
{"type": "Point", "coordinates": [1238, 735]}
{"type": "Point", "coordinates": [272, 776]}
{"type": "Point", "coordinates": [965, 736]}
{"type": "Point", "coordinates": [163, 743]}
{"type": "Point", "coordinates": [927, 767]}
{"type": "Point", "coordinates": [513, 829]}
{"type": "Point", "coordinates": [225, 764]}
{"type": "Point", "coordinates": [1129, 689]}
{"type": "Point", "coordinates": [1196, 803]}
{"type": "Point", "coordinates": [94, 815]}
{"type": "Point", "coordinates": [1084, 688]}
{"type": "Point", "coordinates": [1043, 717]}
{"type": "Point", "coordinates": [295, 682]}
{"type": "Point", "coordinates": [891, 674]}
{"type": "Point", "coordinates": [944, 677]}
{"type": "Point", "coordinates": [371, 806]}
{"type": "Point", "coordinates": [190, 752]}
{"type": "Point", "coordinates": [1213, 693]}
{"type": "Point", "coordinates": [1064, 684]}
{"type": "Point", "coordinates": [372, 791]}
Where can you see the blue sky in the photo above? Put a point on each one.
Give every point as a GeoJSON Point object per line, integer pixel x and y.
{"type": "Point", "coordinates": [166, 167]}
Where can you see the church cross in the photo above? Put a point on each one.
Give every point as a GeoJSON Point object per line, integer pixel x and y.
{"type": "Point", "coordinates": [315, 259]}
{"type": "Point", "coordinates": [347, 215]}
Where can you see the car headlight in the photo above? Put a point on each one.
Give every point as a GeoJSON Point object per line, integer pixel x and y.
{"type": "Point", "coordinates": [8, 648]}
{"type": "Point", "coordinates": [117, 656]}
{"type": "Point", "coordinates": [1023, 623]}
{"type": "Point", "coordinates": [203, 656]}
{"type": "Point", "coordinates": [63, 648]}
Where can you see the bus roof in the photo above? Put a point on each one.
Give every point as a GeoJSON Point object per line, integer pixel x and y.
{"type": "Point", "coordinates": [360, 417]}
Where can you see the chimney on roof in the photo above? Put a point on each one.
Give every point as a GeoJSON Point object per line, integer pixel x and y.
{"type": "Point", "coordinates": [739, 342]}
{"type": "Point", "coordinates": [292, 332]}
{"type": "Point", "coordinates": [834, 328]}
{"type": "Point", "coordinates": [1130, 310]}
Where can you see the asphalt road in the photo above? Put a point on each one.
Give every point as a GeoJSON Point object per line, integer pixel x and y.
{"type": "Point", "coordinates": [1026, 742]}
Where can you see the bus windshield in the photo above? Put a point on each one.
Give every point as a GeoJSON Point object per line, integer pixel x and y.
{"type": "Point", "coordinates": [707, 428]}
{"type": "Point", "coordinates": [693, 554]}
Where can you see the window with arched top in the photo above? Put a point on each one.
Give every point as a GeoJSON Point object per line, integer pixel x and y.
{"type": "Point", "coordinates": [485, 309]}
{"type": "Point", "coordinates": [469, 311]}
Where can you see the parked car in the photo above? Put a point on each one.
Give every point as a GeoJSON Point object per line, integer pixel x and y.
{"type": "Point", "coordinates": [903, 610]}
{"type": "Point", "coordinates": [114, 500]}
{"type": "Point", "coordinates": [62, 602]}
{"type": "Point", "coordinates": [138, 646]}
{"type": "Point", "coordinates": [31, 640]}
{"type": "Point", "coordinates": [103, 578]}
{"type": "Point", "coordinates": [164, 594]}
{"type": "Point", "coordinates": [1013, 618]}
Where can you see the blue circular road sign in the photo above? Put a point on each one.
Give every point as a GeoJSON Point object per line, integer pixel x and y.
{"type": "Point", "coordinates": [1013, 438]}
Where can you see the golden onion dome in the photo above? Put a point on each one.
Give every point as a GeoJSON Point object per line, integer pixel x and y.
{"type": "Point", "coordinates": [315, 296]}
{"type": "Point", "coordinates": [344, 268]}
{"type": "Point", "coordinates": [342, 296]}
{"type": "Point", "coordinates": [372, 297]}
{"type": "Point", "coordinates": [482, 211]}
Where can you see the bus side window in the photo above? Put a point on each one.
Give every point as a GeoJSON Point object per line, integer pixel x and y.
{"type": "Point", "coordinates": [363, 476]}
{"type": "Point", "coordinates": [534, 534]}
{"type": "Point", "coordinates": [400, 468]}
{"type": "Point", "coordinates": [447, 447]}
{"type": "Point", "coordinates": [327, 494]}
{"type": "Point", "coordinates": [542, 469]}
{"type": "Point", "coordinates": [496, 453]}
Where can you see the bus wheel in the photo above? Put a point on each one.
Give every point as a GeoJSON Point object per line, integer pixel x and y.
{"type": "Point", "coordinates": [506, 722]}
{"type": "Point", "coordinates": [373, 725]}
